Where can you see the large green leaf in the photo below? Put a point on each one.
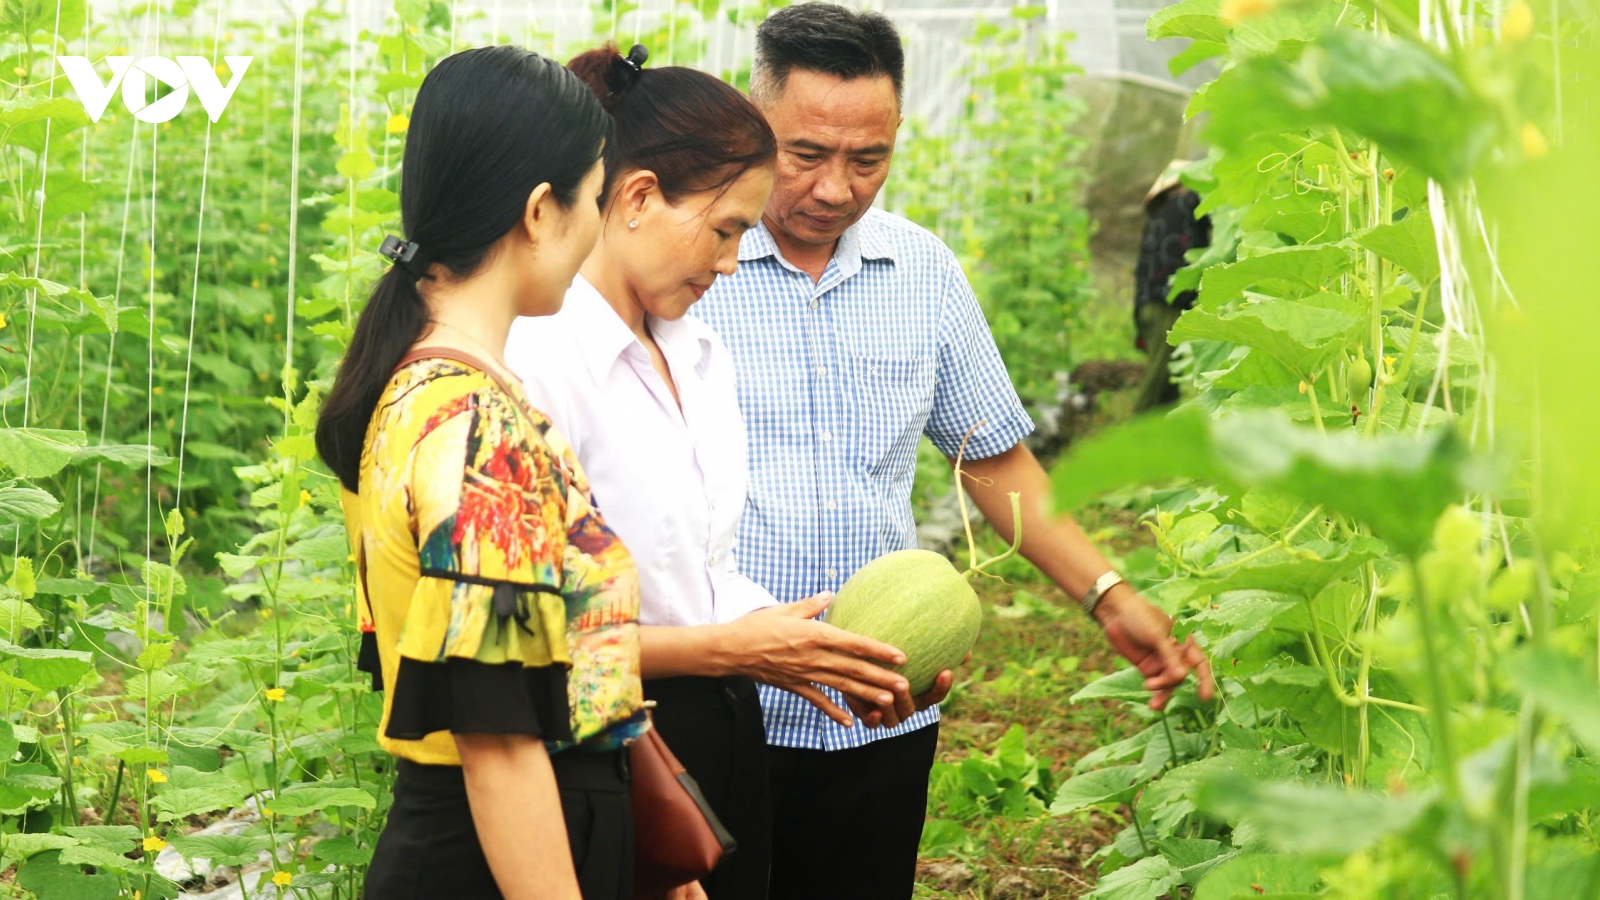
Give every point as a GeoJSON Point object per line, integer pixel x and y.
{"type": "Point", "coordinates": [1196, 19]}
{"type": "Point", "coordinates": [1408, 243]}
{"type": "Point", "coordinates": [1288, 273]}
{"type": "Point", "coordinates": [38, 452]}
{"type": "Point", "coordinates": [1113, 785]}
{"type": "Point", "coordinates": [26, 504]}
{"type": "Point", "coordinates": [1400, 94]}
{"type": "Point", "coordinates": [1561, 685]}
{"type": "Point", "coordinates": [46, 876]}
{"type": "Point", "coordinates": [1251, 876]}
{"type": "Point", "coordinates": [301, 801]}
{"type": "Point", "coordinates": [1300, 336]}
{"type": "Point", "coordinates": [222, 849]}
{"type": "Point", "coordinates": [48, 669]}
{"type": "Point", "coordinates": [1147, 879]}
{"type": "Point", "coordinates": [1303, 818]}
{"type": "Point", "coordinates": [1397, 484]}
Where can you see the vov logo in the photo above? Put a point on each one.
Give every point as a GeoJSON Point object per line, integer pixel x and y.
{"type": "Point", "coordinates": [188, 72]}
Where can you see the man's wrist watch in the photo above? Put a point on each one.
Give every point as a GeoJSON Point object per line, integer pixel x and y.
{"type": "Point", "coordinates": [1102, 584]}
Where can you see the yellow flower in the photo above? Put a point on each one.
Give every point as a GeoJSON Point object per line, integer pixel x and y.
{"type": "Point", "coordinates": [156, 389]}
{"type": "Point", "coordinates": [397, 124]}
{"type": "Point", "coordinates": [1235, 11]}
{"type": "Point", "coordinates": [305, 496]}
{"type": "Point", "coordinates": [1517, 26]}
{"type": "Point", "coordinates": [153, 844]}
{"type": "Point", "coordinates": [282, 879]}
{"type": "Point", "coordinates": [156, 775]}
{"type": "Point", "coordinates": [1302, 387]}
{"type": "Point", "coordinates": [269, 318]}
{"type": "Point", "coordinates": [275, 695]}
{"type": "Point", "coordinates": [20, 72]}
{"type": "Point", "coordinates": [1534, 145]}
{"type": "Point", "coordinates": [2, 320]}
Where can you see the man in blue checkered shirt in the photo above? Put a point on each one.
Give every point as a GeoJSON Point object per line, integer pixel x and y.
{"type": "Point", "coordinates": [855, 333]}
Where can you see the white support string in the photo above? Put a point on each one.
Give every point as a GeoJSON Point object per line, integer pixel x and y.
{"type": "Point", "coordinates": [38, 235]}
{"type": "Point", "coordinates": [294, 212]}
{"type": "Point", "coordinates": [116, 295]}
{"type": "Point", "coordinates": [150, 355]}
{"type": "Point", "coordinates": [194, 293]}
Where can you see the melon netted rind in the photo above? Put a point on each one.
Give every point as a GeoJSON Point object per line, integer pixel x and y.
{"type": "Point", "coordinates": [914, 600]}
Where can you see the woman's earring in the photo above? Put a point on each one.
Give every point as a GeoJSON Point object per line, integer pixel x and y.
{"type": "Point", "coordinates": [634, 223]}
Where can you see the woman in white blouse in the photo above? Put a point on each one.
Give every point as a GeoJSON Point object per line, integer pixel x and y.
{"type": "Point", "coordinates": [645, 394]}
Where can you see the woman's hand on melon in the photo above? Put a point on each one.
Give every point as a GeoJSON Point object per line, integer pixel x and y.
{"type": "Point", "coordinates": [786, 647]}
{"type": "Point", "coordinates": [1143, 635]}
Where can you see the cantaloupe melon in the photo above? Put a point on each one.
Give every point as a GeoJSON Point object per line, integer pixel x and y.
{"type": "Point", "coordinates": [914, 600]}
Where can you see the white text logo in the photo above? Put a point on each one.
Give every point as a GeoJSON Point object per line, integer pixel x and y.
{"type": "Point", "coordinates": [188, 72]}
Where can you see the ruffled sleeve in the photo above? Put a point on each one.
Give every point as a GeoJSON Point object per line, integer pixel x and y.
{"type": "Point", "coordinates": [483, 648]}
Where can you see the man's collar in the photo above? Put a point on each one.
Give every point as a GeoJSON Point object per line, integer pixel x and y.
{"type": "Point", "coordinates": [863, 240]}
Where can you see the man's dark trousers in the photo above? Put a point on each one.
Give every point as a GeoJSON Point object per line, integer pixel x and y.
{"type": "Point", "coordinates": [846, 823]}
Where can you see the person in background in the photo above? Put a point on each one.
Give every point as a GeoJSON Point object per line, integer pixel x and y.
{"type": "Point", "coordinates": [497, 609]}
{"type": "Point", "coordinates": [645, 393]}
{"type": "Point", "coordinates": [854, 333]}
{"type": "Point", "coordinates": [1171, 231]}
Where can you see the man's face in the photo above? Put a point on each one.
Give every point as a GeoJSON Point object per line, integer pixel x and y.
{"type": "Point", "coordinates": [835, 138]}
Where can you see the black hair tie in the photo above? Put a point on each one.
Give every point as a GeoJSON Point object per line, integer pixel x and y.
{"type": "Point", "coordinates": [405, 253]}
{"type": "Point", "coordinates": [625, 70]}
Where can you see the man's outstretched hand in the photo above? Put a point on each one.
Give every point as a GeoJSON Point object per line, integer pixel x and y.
{"type": "Point", "coordinates": [1143, 635]}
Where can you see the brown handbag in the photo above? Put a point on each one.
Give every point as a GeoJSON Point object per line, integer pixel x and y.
{"type": "Point", "coordinates": [676, 836]}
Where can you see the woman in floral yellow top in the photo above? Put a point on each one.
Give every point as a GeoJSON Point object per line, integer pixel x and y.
{"type": "Point", "coordinates": [499, 612]}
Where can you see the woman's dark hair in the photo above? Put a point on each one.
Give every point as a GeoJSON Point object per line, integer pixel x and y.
{"type": "Point", "coordinates": [488, 127]}
{"type": "Point", "coordinates": [826, 38]}
{"type": "Point", "coordinates": [695, 132]}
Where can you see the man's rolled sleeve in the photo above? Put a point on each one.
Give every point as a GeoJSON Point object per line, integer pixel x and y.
{"type": "Point", "coordinates": [973, 385]}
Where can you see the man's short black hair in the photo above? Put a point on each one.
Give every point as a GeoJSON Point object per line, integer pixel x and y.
{"type": "Point", "coordinates": [823, 37]}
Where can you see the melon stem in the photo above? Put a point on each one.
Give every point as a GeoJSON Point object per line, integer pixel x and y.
{"type": "Point", "coordinates": [961, 499]}
{"type": "Point", "coordinates": [1016, 536]}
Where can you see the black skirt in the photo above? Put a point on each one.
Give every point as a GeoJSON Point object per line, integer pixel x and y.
{"type": "Point", "coordinates": [429, 848]}
{"type": "Point", "coordinates": [714, 727]}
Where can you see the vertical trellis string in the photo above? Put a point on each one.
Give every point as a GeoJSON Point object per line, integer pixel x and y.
{"type": "Point", "coordinates": [194, 292]}
{"type": "Point", "coordinates": [150, 355]}
{"type": "Point", "coordinates": [294, 216]}
{"type": "Point", "coordinates": [38, 240]}
{"type": "Point", "coordinates": [116, 294]}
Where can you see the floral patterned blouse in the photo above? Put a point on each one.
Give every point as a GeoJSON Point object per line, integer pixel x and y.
{"type": "Point", "coordinates": [498, 599]}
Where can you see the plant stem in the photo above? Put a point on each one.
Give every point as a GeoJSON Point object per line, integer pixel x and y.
{"type": "Point", "coordinates": [1016, 535]}
{"type": "Point", "coordinates": [1437, 684]}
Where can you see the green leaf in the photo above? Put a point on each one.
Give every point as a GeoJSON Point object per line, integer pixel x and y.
{"type": "Point", "coordinates": [1250, 876]}
{"type": "Point", "coordinates": [223, 849]}
{"type": "Point", "coordinates": [1123, 684]}
{"type": "Point", "coordinates": [1147, 879]}
{"type": "Point", "coordinates": [180, 803]}
{"type": "Point", "coordinates": [301, 801]}
{"type": "Point", "coordinates": [344, 851]}
{"type": "Point", "coordinates": [1563, 686]}
{"type": "Point", "coordinates": [48, 669]}
{"type": "Point", "coordinates": [18, 615]}
{"type": "Point", "coordinates": [45, 876]}
{"type": "Point", "coordinates": [99, 857]}
{"type": "Point", "coordinates": [1288, 273]}
{"type": "Point", "coordinates": [1301, 337]}
{"type": "Point", "coordinates": [26, 504]}
{"type": "Point", "coordinates": [940, 837]}
{"type": "Point", "coordinates": [1113, 785]}
{"type": "Point", "coordinates": [1402, 95]}
{"type": "Point", "coordinates": [22, 846]}
{"type": "Point", "coordinates": [1397, 484]}
{"type": "Point", "coordinates": [38, 452]}
{"type": "Point", "coordinates": [1196, 19]}
{"type": "Point", "coordinates": [1408, 244]}
{"type": "Point", "coordinates": [1302, 818]}
{"type": "Point", "coordinates": [26, 787]}
{"type": "Point", "coordinates": [123, 454]}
